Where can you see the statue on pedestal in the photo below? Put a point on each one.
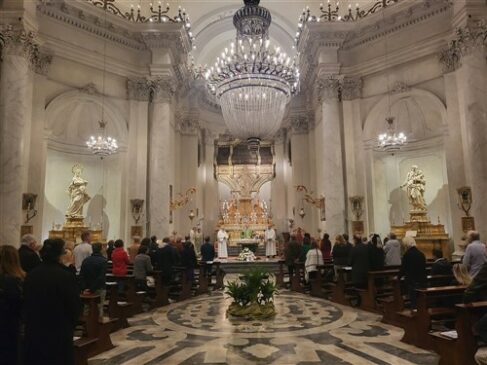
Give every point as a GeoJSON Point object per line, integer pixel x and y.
{"type": "Point", "coordinates": [415, 186]}
{"type": "Point", "coordinates": [77, 193]}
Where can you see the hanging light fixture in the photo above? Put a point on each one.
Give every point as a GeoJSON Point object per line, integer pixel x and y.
{"type": "Point", "coordinates": [103, 145]}
{"type": "Point", "coordinates": [389, 141]}
{"type": "Point", "coordinates": [252, 80]}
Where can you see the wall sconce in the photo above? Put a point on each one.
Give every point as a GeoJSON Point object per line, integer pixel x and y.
{"type": "Point", "coordinates": [191, 215]}
{"type": "Point", "coordinates": [29, 204]}
{"type": "Point", "coordinates": [137, 205]}
{"type": "Point", "coordinates": [302, 213]}
{"type": "Point", "coordinates": [465, 199]}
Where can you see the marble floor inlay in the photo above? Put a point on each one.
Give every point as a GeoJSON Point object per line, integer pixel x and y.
{"type": "Point", "coordinates": [306, 331]}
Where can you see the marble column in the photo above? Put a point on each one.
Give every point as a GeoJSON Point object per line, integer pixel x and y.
{"type": "Point", "coordinates": [161, 157]}
{"type": "Point", "coordinates": [330, 155]}
{"type": "Point", "coordinates": [351, 91]}
{"type": "Point", "coordinates": [278, 189]}
{"type": "Point", "coordinates": [472, 81]}
{"type": "Point", "coordinates": [211, 208]}
{"type": "Point", "coordinates": [138, 92]}
{"type": "Point", "coordinates": [16, 92]}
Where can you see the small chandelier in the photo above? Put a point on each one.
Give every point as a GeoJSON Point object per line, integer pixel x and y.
{"type": "Point", "coordinates": [252, 80]}
{"type": "Point", "coordinates": [390, 141]}
{"type": "Point", "coordinates": [102, 146]}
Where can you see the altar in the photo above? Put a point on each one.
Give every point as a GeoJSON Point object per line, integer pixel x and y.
{"type": "Point", "coordinates": [250, 243]}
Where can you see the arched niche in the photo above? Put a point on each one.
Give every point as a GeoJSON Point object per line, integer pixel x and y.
{"type": "Point", "coordinates": [70, 119]}
{"type": "Point", "coordinates": [422, 116]}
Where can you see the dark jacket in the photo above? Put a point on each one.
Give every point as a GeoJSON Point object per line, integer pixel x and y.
{"type": "Point", "coordinates": [292, 252]}
{"type": "Point", "coordinates": [341, 254]}
{"type": "Point", "coordinates": [359, 260]}
{"type": "Point", "coordinates": [10, 306]}
{"type": "Point", "coordinates": [28, 258]}
{"type": "Point", "coordinates": [376, 257]}
{"type": "Point", "coordinates": [52, 307]}
{"type": "Point", "coordinates": [207, 252]}
{"type": "Point", "coordinates": [413, 267]}
{"type": "Point", "coordinates": [93, 272]}
{"type": "Point", "coordinates": [188, 256]}
{"type": "Point", "coordinates": [441, 267]}
{"type": "Point", "coordinates": [325, 247]}
{"type": "Point", "coordinates": [166, 258]}
{"type": "Point", "coordinates": [477, 290]}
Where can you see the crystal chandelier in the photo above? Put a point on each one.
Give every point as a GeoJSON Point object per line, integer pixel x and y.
{"type": "Point", "coordinates": [102, 146]}
{"type": "Point", "coordinates": [252, 80]}
{"type": "Point", "coordinates": [390, 141]}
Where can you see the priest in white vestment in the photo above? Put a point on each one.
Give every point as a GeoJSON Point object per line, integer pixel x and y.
{"type": "Point", "coordinates": [270, 242]}
{"type": "Point", "coordinates": [222, 237]}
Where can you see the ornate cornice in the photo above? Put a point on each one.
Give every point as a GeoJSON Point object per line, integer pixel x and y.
{"type": "Point", "coordinates": [351, 88]}
{"type": "Point", "coordinates": [139, 89]}
{"type": "Point", "coordinates": [21, 43]}
{"type": "Point", "coordinates": [300, 121]}
{"type": "Point", "coordinates": [467, 40]}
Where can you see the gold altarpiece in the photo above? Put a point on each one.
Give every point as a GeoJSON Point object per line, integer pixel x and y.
{"type": "Point", "coordinates": [244, 172]}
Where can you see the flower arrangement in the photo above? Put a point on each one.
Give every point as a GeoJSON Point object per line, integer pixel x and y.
{"type": "Point", "coordinates": [253, 295]}
{"type": "Point", "coordinates": [246, 255]}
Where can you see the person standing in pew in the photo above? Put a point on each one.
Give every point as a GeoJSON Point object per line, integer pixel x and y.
{"type": "Point", "coordinates": [340, 253]}
{"type": "Point", "coordinates": [29, 252]}
{"type": "Point", "coordinates": [477, 290]}
{"type": "Point", "coordinates": [83, 250]}
{"type": "Point", "coordinates": [291, 254]}
{"type": "Point", "coordinates": [314, 258]}
{"type": "Point", "coordinates": [376, 253]}
{"type": "Point", "coordinates": [120, 261]}
{"type": "Point", "coordinates": [188, 259]}
{"type": "Point", "coordinates": [208, 254]}
{"type": "Point", "coordinates": [360, 263]}
{"type": "Point", "coordinates": [92, 275]}
{"type": "Point", "coordinates": [475, 252]}
{"type": "Point", "coordinates": [413, 269]}
{"type": "Point", "coordinates": [392, 250]}
{"type": "Point", "coordinates": [11, 278]}
{"type": "Point", "coordinates": [52, 306]}
{"type": "Point", "coordinates": [110, 248]}
{"type": "Point", "coordinates": [133, 249]}
{"type": "Point", "coordinates": [462, 277]}
{"type": "Point", "coordinates": [305, 247]}
{"type": "Point", "coordinates": [166, 258]}
{"type": "Point", "coordinates": [142, 267]}
{"type": "Point", "coordinates": [441, 266]}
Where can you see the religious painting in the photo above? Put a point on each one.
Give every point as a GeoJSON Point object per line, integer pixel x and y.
{"type": "Point", "coordinates": [136, 231]}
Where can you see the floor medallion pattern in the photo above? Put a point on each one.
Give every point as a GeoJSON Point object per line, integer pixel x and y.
{"type": "Point", "coordinates": [305, 331]}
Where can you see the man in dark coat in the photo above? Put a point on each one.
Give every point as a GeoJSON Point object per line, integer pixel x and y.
{"type": "Point", "coordinates": [93, 273]}
{"type": "Point", "coordinates": [413, 268]}
{"type": "Point", "coordinates": [188, 259]}
{"type": "Point", "coordinates": [359, 261]}
{"type": "Point", "coordinates": [28, 253]}
{"type": "Point", "coordinates": [52, 307]}
{"type": "Point", "coordinates": [166, 258]}
{"type": "Point", "coordinates": [207, 254]}
{"type": "Point", "coordinates": [291, 254]}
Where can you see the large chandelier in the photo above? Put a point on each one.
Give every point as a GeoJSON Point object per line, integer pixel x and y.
{"type": "Point", "coordinates": [102, 145]}
{"type": "Point", "coordinates": [252, 80]}
{"type": "Point", "coordinates": [390, 141]}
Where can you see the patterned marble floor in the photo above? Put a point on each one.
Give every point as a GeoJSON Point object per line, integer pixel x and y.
{"type": "Point", "coordinates": [305, 331]}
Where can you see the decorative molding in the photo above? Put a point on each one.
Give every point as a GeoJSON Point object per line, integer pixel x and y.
{"type": "Point", "coordinates": [300, 121]}
{"type": "Point", "coordinates": [328, 87]}
{"type": "Point", "coordinates": [138, 89]}
{"type": "Point", "coordinates": [467, 40]}
{"type": "Point", "coordinates": [163, 89]}
{"type": "Point", "coordinates": [187, 123]}
{"type": "Point", "coordinates": [351, 88]}
{"type": "Point", "coordinates": [400, 87]}
{"type": "Point", "coordinates": [89, 89]}
{"type": "Point", "coordinates": [21, 43]}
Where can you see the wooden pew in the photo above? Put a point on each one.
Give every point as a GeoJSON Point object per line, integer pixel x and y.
{"type": "Point", "coordinates": [130, 291]}
{"type": "Point", "coordinates": [379, 284]}
{"type": "Point", "coordinates": [204, 277]}
{"type": "Point", "coordinates": [338, 294]}
{"type": "Point", "coordinates": [460, 351]}
{"type": "Point", "coordinates": [298, 278]}
{"type": "Point", "coordinates": [185, 283]}
{"type": "Point", "coordinates": [318, 285]}
{"type": "Point", "coordinates": [161, 289]}
{"type": "Point", "coordinates": [96, 327]}
{"type": "Point", "coordinates": [82, 347]}
{"type": "Point", "coordinates": [417, 324]}
{"type": "Point", "coordinates": [118, 308]}
{"type": "Point", "coordinates": [280, 275]}
{"type": "Point", "coordinates": [219, 276]}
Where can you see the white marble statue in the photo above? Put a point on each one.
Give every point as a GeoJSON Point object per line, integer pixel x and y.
{"type": "Point", "coordinates": [77, 193]}
{"type": "Point", "coordinates": [270, 242]}
{"type": "Point", "coordinates": [222, 237]}
{"type": "Point", "coordinates": [415, 186]}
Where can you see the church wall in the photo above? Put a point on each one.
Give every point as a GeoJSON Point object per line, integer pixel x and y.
{"type": "Point", "coordinates": [278, 192]}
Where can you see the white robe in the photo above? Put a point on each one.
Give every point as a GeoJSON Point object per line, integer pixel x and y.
{"type": "Point", "coordinates": [270, 242]}
{"type": "Point", "coordinates": [222, 237]}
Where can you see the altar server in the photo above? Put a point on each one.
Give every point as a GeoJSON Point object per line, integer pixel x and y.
{"type": "Point", "coordinates": [222, 237]}
{"type": "Point", "coordinates": [270, 242]}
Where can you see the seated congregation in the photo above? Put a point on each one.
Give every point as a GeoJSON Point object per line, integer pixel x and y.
{"type": "Point", "coordinates": [79, 296]}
